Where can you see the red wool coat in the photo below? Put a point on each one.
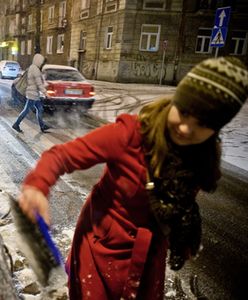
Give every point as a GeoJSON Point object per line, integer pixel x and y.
{"type": "Point", "coordinates": [117, 250]}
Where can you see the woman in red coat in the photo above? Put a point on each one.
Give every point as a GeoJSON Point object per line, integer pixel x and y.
{"type": "Point", "coordinates": [144, 203]}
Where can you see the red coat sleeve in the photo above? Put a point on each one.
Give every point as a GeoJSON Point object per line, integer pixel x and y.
{"type": "Point", "coordinates": [104, 144]}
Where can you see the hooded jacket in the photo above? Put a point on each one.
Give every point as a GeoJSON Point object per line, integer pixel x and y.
{"type": "Point", "coordinates": [35, 84]}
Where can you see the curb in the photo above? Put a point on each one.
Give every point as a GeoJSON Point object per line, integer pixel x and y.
{"type": "Point", "coordinates": [235, 171]}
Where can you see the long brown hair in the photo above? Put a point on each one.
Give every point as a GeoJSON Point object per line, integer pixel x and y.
{"type": "Point", "coordinates": [202, 159]}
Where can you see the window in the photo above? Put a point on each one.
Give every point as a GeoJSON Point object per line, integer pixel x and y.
{"type": "Point", "coordinates": [110, 6]}
{"type": "Point", "coordinates": [23, 25]}
{"type": "Point", "coordinates": [30, 21]}
{"type": "Point", "coordinates": [82, 43]}
{"type": "Point", "coordinates": [109, 35]}
{"type": "Point", "coordinates": [84, 13]}
{"type": "Point", "coordinates": [49, 47]}
{"type": "Point", "coordinates": [62, 9]}
{"type": "Point", "coordinates": [22, 47]}
{"type": "Point", "coordinates": [154, 4]}
{"type": "Point", "coordinates": [203, 41]}
{"type": "Point", "coordinates": [149, 39]}
{"type": "Point", "coordinates": [85, 4]}
{"type": "Point", "coordinates": [62, 12]}
{"type": "Point", "coordinates": [24, 5]}
{"type": "Point", "coordinates": [207, 4]}
{"type": "Point", "coordinates": [41, 20]}
{"type": "Point", "coordinates": [60, 43]}
{"type": "Point", "coordinates": [214, 4]}
{"type": "Point", "coordinates": [50, 14]}
{"type": "Point", "coordinates": [29, 47]}
{"type": "Point", "coordinates": [239, 42]}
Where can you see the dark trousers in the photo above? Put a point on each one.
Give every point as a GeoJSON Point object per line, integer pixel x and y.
{"type": "Point", "coordinates": [30, 104]}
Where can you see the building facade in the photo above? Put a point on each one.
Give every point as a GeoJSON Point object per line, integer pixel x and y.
{"type": "Point", "coordinates": [143, 41]}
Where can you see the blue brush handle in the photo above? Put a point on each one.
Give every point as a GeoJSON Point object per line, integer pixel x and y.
{"type": "Point", "coordinates": [44, 229]}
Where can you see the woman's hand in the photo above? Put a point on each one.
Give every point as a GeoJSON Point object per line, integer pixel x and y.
{"type": "Point", "coordinates": [33, 201]}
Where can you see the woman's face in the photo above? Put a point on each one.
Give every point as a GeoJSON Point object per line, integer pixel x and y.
{"type": "Point", "coordinates": [186, 130]}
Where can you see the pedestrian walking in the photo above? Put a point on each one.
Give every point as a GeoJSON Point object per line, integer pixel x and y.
{"type": "Point", "coordinates": [35, 89]}
{"type": "Point", "coordinates": [145, 202]}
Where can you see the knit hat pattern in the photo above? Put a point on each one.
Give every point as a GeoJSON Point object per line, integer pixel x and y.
{"type": "Point", "coordinates": [214, 90]}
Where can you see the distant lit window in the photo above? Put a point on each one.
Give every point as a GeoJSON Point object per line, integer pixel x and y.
{"type": "Point", "coordinates": [22, 47]}
{"type": "Point", "coordinates": [49, 46]}
{"type": "Point", "coordinates": [239, 43]}
{"type": "Point", "coordinates": [149, 39]}
{"type": "Point", "coordinates": [154, 4]}
{"type": "Point", "coordinates": [203, 41]}
{"type": "Point", "coordinates": [50, 14]}
{"type": "Point", "coordinates": [29, 47]}
{"type": "Point", "coordinates": [108, 38]}
{"type": "Point", "coordinates": [60, 43]}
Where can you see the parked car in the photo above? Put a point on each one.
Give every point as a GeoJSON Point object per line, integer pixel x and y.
{"type": "Point", "coordinates": [9, 69]}
{"type": "Point", "coordinates": [66, 87]}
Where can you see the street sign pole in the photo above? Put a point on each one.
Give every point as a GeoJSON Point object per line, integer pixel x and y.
{"type": "Point", "coordinates": [216, 52]}
{"type": "Point", "coordinates": [162, 64]}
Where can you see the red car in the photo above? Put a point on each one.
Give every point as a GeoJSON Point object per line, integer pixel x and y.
{"type": "Point", "coordinates": [65, 86]}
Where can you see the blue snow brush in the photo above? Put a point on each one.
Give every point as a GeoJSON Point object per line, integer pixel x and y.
{"type": "Point", "coordinates": [40, 250]}
{"type": "Point", "coordinates": [44, 229]}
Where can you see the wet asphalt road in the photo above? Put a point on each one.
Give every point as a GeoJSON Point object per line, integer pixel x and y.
{"type": "Point", "coordinates": [222, 267]}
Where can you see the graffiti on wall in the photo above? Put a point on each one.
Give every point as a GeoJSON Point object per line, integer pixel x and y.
{"type": "Point", "coordinates": [88, 69]}
{"type": "Point", "coordinates": [146, 69]}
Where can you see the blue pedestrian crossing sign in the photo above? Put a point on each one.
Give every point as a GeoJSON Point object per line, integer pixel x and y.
{"type": "Point", "coordinates": [219, 31]}
{"type": "Point", "coordinates": [218, 37]}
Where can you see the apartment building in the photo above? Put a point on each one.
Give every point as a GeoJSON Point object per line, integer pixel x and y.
{"type": "Point", "coordinates": [150, 41]}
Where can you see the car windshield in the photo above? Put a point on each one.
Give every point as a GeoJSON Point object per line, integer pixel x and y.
{"type": "Point", "coordinates": [12, 64]}
{"type": "Point", "coordinates": [63, 75]}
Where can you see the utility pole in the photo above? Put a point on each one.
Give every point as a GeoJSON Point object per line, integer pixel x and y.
{"type": "Point", "coordinates": [178, 51]}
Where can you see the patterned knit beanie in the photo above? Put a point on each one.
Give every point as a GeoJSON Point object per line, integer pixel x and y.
{"type": "Point", "coordinates": [213, 91]}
